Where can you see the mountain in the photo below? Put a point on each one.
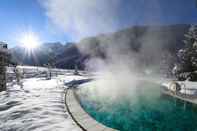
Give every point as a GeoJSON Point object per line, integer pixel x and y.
{"type": "Point", "coordinates": [148, 45]}
{"type": "Point", "coordinates": [39, 56]}
{"type": "Point", "coordinates": [70, 57]}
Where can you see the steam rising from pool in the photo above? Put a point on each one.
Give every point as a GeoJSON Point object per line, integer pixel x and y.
{"type": "Point", "coordinates": [112, 86]}
{"type": "Point", "coordinates": [146, 109]}
{"type": "Point", "coordinates": [121, 66]}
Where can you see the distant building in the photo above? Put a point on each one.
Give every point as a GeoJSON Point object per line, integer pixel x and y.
{"type": "Point", "coordinates": [3, 45]}
{"type": "Point", "coordinates": [3, 64]}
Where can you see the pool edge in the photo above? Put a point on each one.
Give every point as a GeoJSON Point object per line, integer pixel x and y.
{"type": "Point", "coordinates": [80, 117]}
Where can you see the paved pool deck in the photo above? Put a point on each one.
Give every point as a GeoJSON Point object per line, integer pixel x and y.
{"type": "Point", "coordinates": [80, 117]}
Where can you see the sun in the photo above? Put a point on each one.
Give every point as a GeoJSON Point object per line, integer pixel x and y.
{"type": "Point", "coordinates": [30, 41]}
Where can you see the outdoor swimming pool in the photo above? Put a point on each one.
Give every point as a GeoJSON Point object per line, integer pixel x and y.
{"type": "Point", "coordinates": [146, 109]}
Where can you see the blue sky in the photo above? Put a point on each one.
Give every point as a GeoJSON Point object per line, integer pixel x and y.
{"type": "Point", "coordinates": [19, 16]}
{"type": "Point", "coordinates": [44, 19]}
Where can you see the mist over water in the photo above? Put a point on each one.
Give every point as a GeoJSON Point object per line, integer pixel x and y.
{"type": "Point", "coordinates": [142, 108]}
{"type": "Point", "coordinates": [122, 69]}
{"type": "Point", "coordinates": [122, 65]}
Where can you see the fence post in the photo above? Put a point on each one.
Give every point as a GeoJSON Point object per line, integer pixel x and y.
{"type": "Point", "coordinates": [3, 64]}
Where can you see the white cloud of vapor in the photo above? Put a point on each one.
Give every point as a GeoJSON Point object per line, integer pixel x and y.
{"type": "Point", "coordinates": [82, 18]}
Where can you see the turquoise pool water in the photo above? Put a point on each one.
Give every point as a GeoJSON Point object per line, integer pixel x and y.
{"type": "Point", "coordinates": [147, 109]}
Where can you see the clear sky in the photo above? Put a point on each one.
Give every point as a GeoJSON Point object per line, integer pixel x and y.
{"type": "Point", "coordinates": [55, 20]}
{"type": "Point", "coordinates": [20, 16]}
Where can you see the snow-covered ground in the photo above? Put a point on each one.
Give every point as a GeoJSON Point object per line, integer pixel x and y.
{"type": "Point", "coordinates": [38, 106]}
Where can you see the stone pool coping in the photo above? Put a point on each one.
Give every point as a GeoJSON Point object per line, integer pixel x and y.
{"type": "Point", "coordinates": [80, 117]}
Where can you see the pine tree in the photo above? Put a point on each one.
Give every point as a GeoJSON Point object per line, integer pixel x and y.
{"type": "Point", "coordinates": [187, 56]}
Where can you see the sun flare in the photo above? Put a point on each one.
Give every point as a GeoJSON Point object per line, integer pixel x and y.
{"type": "Point", "coordinates": [30, 41]}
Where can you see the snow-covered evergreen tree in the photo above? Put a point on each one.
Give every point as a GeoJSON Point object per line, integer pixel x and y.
{"type": "Point", "coordinates": [187, 56]}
